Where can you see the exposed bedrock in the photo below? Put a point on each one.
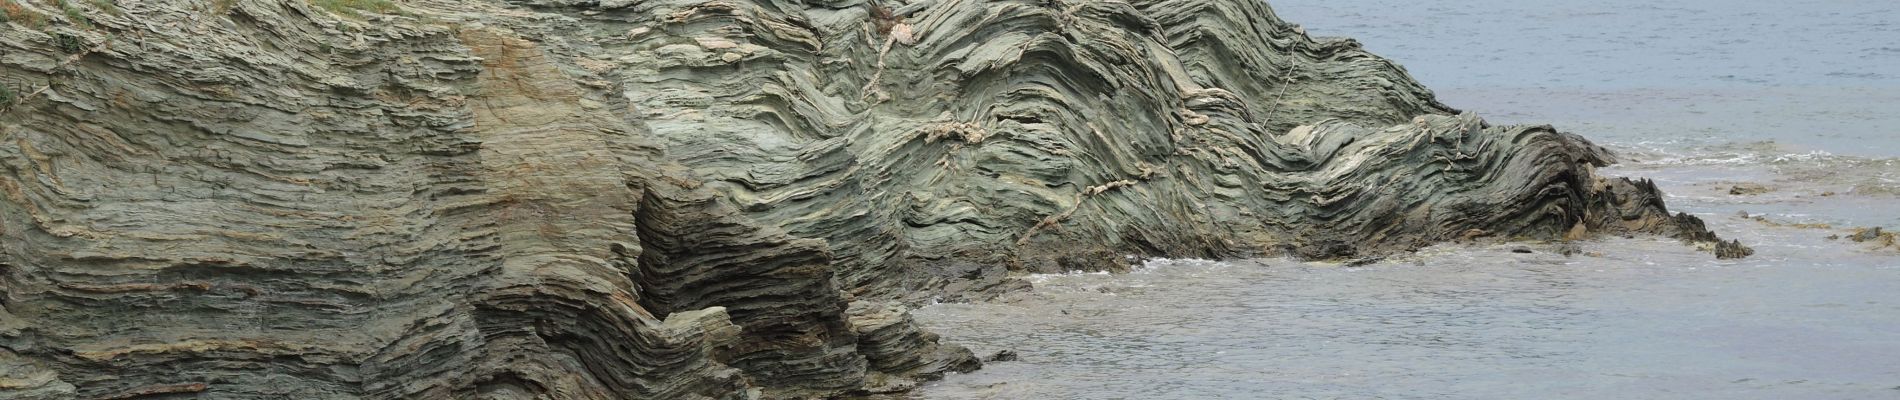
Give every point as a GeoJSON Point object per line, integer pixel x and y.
{"type": "Point", "coordinates": [678, 199]}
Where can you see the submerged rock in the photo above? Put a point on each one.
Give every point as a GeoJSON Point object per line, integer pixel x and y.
{"type": "Point", "coordinates": [1568, 248]}
{"type": "Point", "coordinates": [1877, 237]}
{"type": "Point", "coordinates": [1748, 189]}
{"type": "Point", "coordinates": [684, 198]}
{"type": "Point", "coordinates": [1867, 234]}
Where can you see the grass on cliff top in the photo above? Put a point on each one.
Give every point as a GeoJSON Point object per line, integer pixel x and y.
{"type": "Point", "coordinates": [11, 11]}
{"type": "Point", "coordinates": [356, 8]}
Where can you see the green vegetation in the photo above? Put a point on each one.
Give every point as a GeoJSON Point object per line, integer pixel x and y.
{"type": "Point", "coordinates": [6, 96]}
{"type": "Point", "coordinates": [109, 6]}
{"type": "Point", "coordinates": [69, 43]}
{"type": "Point", "coordinates": [10, 11]}
{"type": "Point", "coordinates": [356, 8]}
{"type": "Point", "coordinates": [75, 14]}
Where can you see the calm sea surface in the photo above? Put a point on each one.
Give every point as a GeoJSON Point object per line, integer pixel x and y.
{"type": "Point", "coordinates": [1801, 97]}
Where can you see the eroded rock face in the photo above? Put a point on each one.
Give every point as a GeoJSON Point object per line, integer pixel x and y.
{"type": "Point", "coordinates": [684, 198]}
{"type": "Point", "coordinates": [1050, 136]}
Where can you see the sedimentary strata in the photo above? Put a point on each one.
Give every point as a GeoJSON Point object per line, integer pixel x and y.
{"type": "Point", "coordinates": [682, 198]}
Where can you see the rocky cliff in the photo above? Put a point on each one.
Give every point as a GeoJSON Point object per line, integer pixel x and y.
{"type": "Point", "coordinates": [682, 198]}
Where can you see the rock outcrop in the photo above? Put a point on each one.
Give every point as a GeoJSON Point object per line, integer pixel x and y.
{"type": "Point", "coordinates": [682, 198]}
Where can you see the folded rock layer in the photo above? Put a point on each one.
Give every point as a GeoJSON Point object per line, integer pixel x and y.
{"type": "Point", "coordinates": [677, 199]}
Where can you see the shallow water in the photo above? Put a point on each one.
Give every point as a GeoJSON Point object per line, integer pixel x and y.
{"type": "Point", "coordinates": [1647, 319]}
{"type": "Point", "coordinates": [1800, 96]}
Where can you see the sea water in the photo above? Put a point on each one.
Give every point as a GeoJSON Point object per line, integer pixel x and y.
{"type": "Point", "coordinates": [1801, 97]}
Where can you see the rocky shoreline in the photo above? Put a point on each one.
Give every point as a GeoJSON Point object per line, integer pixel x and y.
{"type": "Point", "coordinates": [685, 198]}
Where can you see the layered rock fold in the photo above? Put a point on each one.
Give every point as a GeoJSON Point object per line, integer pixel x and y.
{"type": "Point", "coordinates": [683, 198]}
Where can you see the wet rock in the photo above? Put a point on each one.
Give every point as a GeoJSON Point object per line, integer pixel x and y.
{"type": "Point", "coordinates": [1866, 235]}
{"type": "Point", "coordinates": [1748, 189]}
{"type": "Point", "coordinates": [1877, 237]}
{"type": "Point", "coordinates": [899, 351]}
{"type": "Point", "coordinates": [1002, 356]}
{"type": "Point", "coordinates": [1521, 250]}
{"type": "Point", "coordinates": [1732, 250]}
{"type": "Point", "coordinates": [1763, 219]}
{"type": "Point", "coordinates": [1363, 261]}
{"type": "Point", "coordinates": [1569, 249]}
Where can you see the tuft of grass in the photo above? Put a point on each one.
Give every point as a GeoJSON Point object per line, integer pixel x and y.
{"type": "Point", "coordinates": [356, 8]}
{"type": "Point", "coordinates": [75, 14]}
{"type": "Point", "coordinates": [6, 96]}
{"type": "Point", "coordinates": [223, 6]}
{"type": "Point", "coordinates": [109, 6]}
{"type": "Point", "coordinates": [11, 11]}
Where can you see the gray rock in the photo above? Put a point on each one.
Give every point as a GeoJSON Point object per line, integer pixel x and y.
{"type": "Point", "coordinates": [1732, 250]}
{"type": "Point", "coordinates": [684, 198]}
{"type": "Point", "coordinates": [899, 351]}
